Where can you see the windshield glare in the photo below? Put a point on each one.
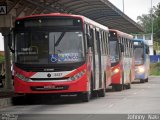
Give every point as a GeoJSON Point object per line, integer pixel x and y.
{"type": "Point", "coordinates": [49, 47]}
{"type": "Point", "coordinates": [114, 51]}
{"type": "Point", "coordinates": [139, 55]}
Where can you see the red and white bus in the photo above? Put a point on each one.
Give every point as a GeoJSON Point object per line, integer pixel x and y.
{"type": "Point", "coordinates": [122, 59]}
{"type": "Point", "coordinates": [61, 53]}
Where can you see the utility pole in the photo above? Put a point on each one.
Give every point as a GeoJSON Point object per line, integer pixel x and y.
{"type": "Point", "coordinates": [5, 25]}
{"type": "Point", "coordinates": [123, 5]}
{"type": "Point", "coordinates": [151, 20]}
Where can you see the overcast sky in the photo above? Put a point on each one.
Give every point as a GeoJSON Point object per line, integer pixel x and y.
{"type": "Point", "coordinates": [132, 8]}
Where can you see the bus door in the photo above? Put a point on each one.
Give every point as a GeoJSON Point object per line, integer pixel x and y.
{"type": "Point", "coordinates": [93, 59]}
{"type": "Point", "coordinates": [99, 65]}
{"type": "Point", "coordinates": [97, 59]}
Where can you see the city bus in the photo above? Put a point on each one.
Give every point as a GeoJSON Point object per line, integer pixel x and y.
{"type": "Point", "coordinates": [61, 54]}
{"type": "Point", "coordinates": [122, 59]}
{"type": "Point", "coordinates": [142, 60]}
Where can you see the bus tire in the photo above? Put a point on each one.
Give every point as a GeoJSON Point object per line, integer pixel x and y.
{"type": "Point", "coordinates": [142, 80]}
{"type": "Point", "coordinates": [146, 80]}
{"type": "Point", "coordinates": [86, 97]}
{"type": "Point", "coordinates": [128, 86]}
{"type": "Point", "coordinates": [29, 99]}
{"type": "Point", "coordinates": [118, 87]}
{"type": "Point", "coordinates": [102, 92]}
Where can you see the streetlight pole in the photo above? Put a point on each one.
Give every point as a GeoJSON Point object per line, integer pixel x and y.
{"type": "Point", "coordinates": [152, 20]}
{"type": "Point", "coordinates": [123, 5]}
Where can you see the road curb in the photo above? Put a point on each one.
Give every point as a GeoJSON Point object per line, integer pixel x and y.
{"type": "Point", "coordinates": [153, 76]}
{"type": "Point", "coordinates": [4, 102]}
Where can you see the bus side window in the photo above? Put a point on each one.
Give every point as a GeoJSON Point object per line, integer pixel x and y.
{"type": "Point", "coordinates": [98, 41]}
{"type": "Point", "coordinates": [107, 43]}
{"type": "Point", "coordinates": [124, 43]}
{"type": "Point", "coordinates": [126, 47]}
{"type": "Point", "coordinates": [132, 49]}
{"type": "Point", "coordinates": [129, 47]}
{"type": "Point", "coordinates": [86, 32]}
{"type": "Point", "coordinates": [93, 34]}
{"type": "Point", "coordinates": [101, 42]}
{"type": "Point", "coordinates": [121, 41]}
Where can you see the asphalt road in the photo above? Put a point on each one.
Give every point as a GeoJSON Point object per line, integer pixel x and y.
{"type": "Point", "coordinates": [142, 98]}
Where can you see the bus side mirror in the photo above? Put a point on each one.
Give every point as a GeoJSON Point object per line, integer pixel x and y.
{"type": "Point", "coordinates": [121, 47]}
{"type": "Point", "coordinates": [89, 40]}
{"type": "Point", "coordinates": [10, 41]}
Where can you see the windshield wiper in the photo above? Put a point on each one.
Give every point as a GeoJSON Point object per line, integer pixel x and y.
{"type": "Point", "coordinates": [59, 39]}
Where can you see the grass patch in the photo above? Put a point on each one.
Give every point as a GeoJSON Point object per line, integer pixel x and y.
{"type": "Point", "coordinates": [155, 69]}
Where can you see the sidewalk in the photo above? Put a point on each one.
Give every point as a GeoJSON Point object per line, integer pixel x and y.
{"type": "Point", "coordinates": [6, 98]}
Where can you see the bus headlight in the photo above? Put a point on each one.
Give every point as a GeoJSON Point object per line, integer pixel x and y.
{"type": "Point", "coordinates": [115, 71]}
{"type": "Point", "coordinates": [141, 69]}
{"type": "Point", "coordinates": [77, 76]}
{"type": "Point", "coordinates": [20, 76]}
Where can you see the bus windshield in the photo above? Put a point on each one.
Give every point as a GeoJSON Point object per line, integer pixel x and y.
{"type": "Point", "coordinates": [114, 52]}
{"type": "Point", "coordinates": [139, 55]}
{"type": "Point", "coordinates": [43, 47]}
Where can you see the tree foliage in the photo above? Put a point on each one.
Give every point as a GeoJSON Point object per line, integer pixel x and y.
{"type": "Point", "coordinates": [146, 21]}
{"type": "Point", "coordinates": [2, 58]}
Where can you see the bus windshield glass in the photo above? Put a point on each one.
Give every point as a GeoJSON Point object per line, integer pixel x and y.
{"type": "Point", "coordinates": [43, 47]}
{"type": "Point", "coordinates": [139, 55]}
{"type": "Point", "coordinates": [114, 52]}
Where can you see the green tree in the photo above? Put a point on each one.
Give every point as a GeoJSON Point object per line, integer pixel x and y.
{"type": "Point", "coordinates": [1, 58]}
{"type": "Point", "coordinates": [146, 21]}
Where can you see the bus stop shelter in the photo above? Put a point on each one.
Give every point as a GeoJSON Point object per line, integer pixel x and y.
{"type": "Point", "coordinates": [101, 11]}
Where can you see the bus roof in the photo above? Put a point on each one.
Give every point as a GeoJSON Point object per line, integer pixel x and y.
{"type": "Point", "coordinates": [85, 19]}
{"type": "Point", "coordinates": [120, 33]}
{"type": "Point", "coordinates": [140, 40]}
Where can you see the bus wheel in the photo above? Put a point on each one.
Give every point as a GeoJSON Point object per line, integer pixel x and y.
{"type": "Point", "coordinates": [86, 96]}
{"type": "Point", "coordinates": [146, 80]}
{"type": "Point", "coordinates": [102, 92]}
{"type": "Point", "coordinates": [118, 87]}
{"type": "Point", "coordinates": [128, 86]}
{"type": "Point", "coordinates": [142, 80]}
